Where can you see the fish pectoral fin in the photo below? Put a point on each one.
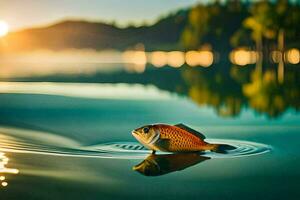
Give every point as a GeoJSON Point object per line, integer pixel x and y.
{"type": "Point", "coordinates": [196, 133]}
{"type": "Point", "coordinates": [163, 144]}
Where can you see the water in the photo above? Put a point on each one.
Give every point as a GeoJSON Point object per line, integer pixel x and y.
{"type": "Point", "coordinates": [50, 144]}
{"type": "Point", "coordinates": [75, 142]}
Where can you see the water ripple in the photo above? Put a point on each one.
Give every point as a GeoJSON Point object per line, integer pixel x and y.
{"type": "Point", "coordinates": [242, 148]}
{"type": "Point", "coordinates": [20, 140]}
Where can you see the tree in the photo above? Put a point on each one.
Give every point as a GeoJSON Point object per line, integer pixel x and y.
{"type": "Point", "coordinates": [197, 27]}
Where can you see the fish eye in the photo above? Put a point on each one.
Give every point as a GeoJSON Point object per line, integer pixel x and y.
{"type": "Point", "coordinates": [146, 129]}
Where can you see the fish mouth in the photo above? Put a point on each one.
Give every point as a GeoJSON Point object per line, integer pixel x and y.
{"type": "Point", "coordinates": [136, 167]}
{"type": "Point", "coordinates": [137, 136]}
{"type": "Point", "coordinates": [134, 133]}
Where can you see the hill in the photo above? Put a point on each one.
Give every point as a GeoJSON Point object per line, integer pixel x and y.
{"type": "Point", "coordinates": [164, 34]}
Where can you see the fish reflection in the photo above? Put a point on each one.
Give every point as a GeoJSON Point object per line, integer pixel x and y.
{"type": "Point", "coordinates": [156, 165]}
{"type": "Point", "coordinates": [4, 170]}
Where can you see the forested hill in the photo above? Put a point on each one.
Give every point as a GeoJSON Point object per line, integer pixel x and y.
{"type": "Point", "coordinates": [83, 34]}
{"type": "Point", "coordinates": [221, 26]}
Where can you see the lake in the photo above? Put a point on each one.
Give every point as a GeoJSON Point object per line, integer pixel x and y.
{"type": "Point", "coordinates": [64, 137]}
{"type": "Point", "coordinates": [80, 85]}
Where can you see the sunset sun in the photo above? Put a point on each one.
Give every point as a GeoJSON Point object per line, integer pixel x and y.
{"type": "Point", "coordinates": [3, 28]}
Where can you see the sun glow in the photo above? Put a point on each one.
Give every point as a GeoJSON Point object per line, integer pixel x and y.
{"type": "Point", "coordinates": [3, 28]}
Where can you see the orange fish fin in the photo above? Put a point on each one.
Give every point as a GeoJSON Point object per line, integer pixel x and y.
{"type": "Point", "coordinates": [220, 148]}
{"type": "Point", "coordinates": [190, 130]}
{"type": "Point", "coordinates": [163, 144]}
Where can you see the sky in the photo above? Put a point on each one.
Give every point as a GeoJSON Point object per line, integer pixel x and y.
{"type": "Point", "coordinates": [21, 14]}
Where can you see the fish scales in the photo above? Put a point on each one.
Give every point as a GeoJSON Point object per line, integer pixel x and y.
{"type": "Point", "coordinates": [180, 140]}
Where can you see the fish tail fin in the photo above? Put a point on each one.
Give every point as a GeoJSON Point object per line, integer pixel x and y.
{"type": "Point", "coordinates": [220, 148]}
{"type": "Point", "coordinates": [213, 147]}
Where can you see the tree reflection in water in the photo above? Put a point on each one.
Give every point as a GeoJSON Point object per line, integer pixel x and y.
{"type": "Point", "coordinates": [229, 92]}
{"type": "Point", "coordinates": [226, 87]}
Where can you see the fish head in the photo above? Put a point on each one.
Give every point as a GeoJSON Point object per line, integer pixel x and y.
{"type": "Point", "coordinates": [146, 135]}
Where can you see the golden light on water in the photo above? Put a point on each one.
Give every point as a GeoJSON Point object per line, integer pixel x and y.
{"type": "Point", "coordinates": [140, 58]}
{"type": "Point", "coordinates": [4, 170]}
{"type": "Point", "coordinates": [191, 58]}
{"type": "Point", "coordinates": [3, 28]}
{"type": "Point", "coordinates": [26, 64]}
{"type": "Point", "coordinates": [206, 58]}
{"type": "Point", "coordinates": [243, 57]}
{"type": "Point", "coordinates": [178, 58]}
{"type": "Point", "coordinates": [135, 60]}
{"type": "Point", "coordinates": [199, 58]}
{"type": "Point", "coordinates": [175, 59]}
{"type": "Point", "coordinates": [172, 58]}
{"type": "Point", "coordinates": [4, 184]}
{"type": "Point", "coordinates": [293, 56]}
{"type": "Point", "coordinates": [276, 56]}
{"type": "Point", "coordinates": [159, 58]}
{"type": "Point", "coordinates": [135, 57]}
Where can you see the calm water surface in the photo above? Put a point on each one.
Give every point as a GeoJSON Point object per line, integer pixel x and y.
{"type": "Point", "coordinates": [73, 141]}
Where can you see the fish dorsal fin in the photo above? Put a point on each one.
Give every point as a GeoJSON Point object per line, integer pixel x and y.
{"type": "Point", "coordinates": [190, 130]}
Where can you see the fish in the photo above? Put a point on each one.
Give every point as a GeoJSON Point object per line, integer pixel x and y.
{"type": "Point", "coordinates": [174, 138]}
{"type": "Point", "coordinates": [157, 165]}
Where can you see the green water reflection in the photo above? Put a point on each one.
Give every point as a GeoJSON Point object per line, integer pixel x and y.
{"type": "Point", "coordinates": [244, 87]}
{"type": "Point", "coordinates": [269, 90]}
